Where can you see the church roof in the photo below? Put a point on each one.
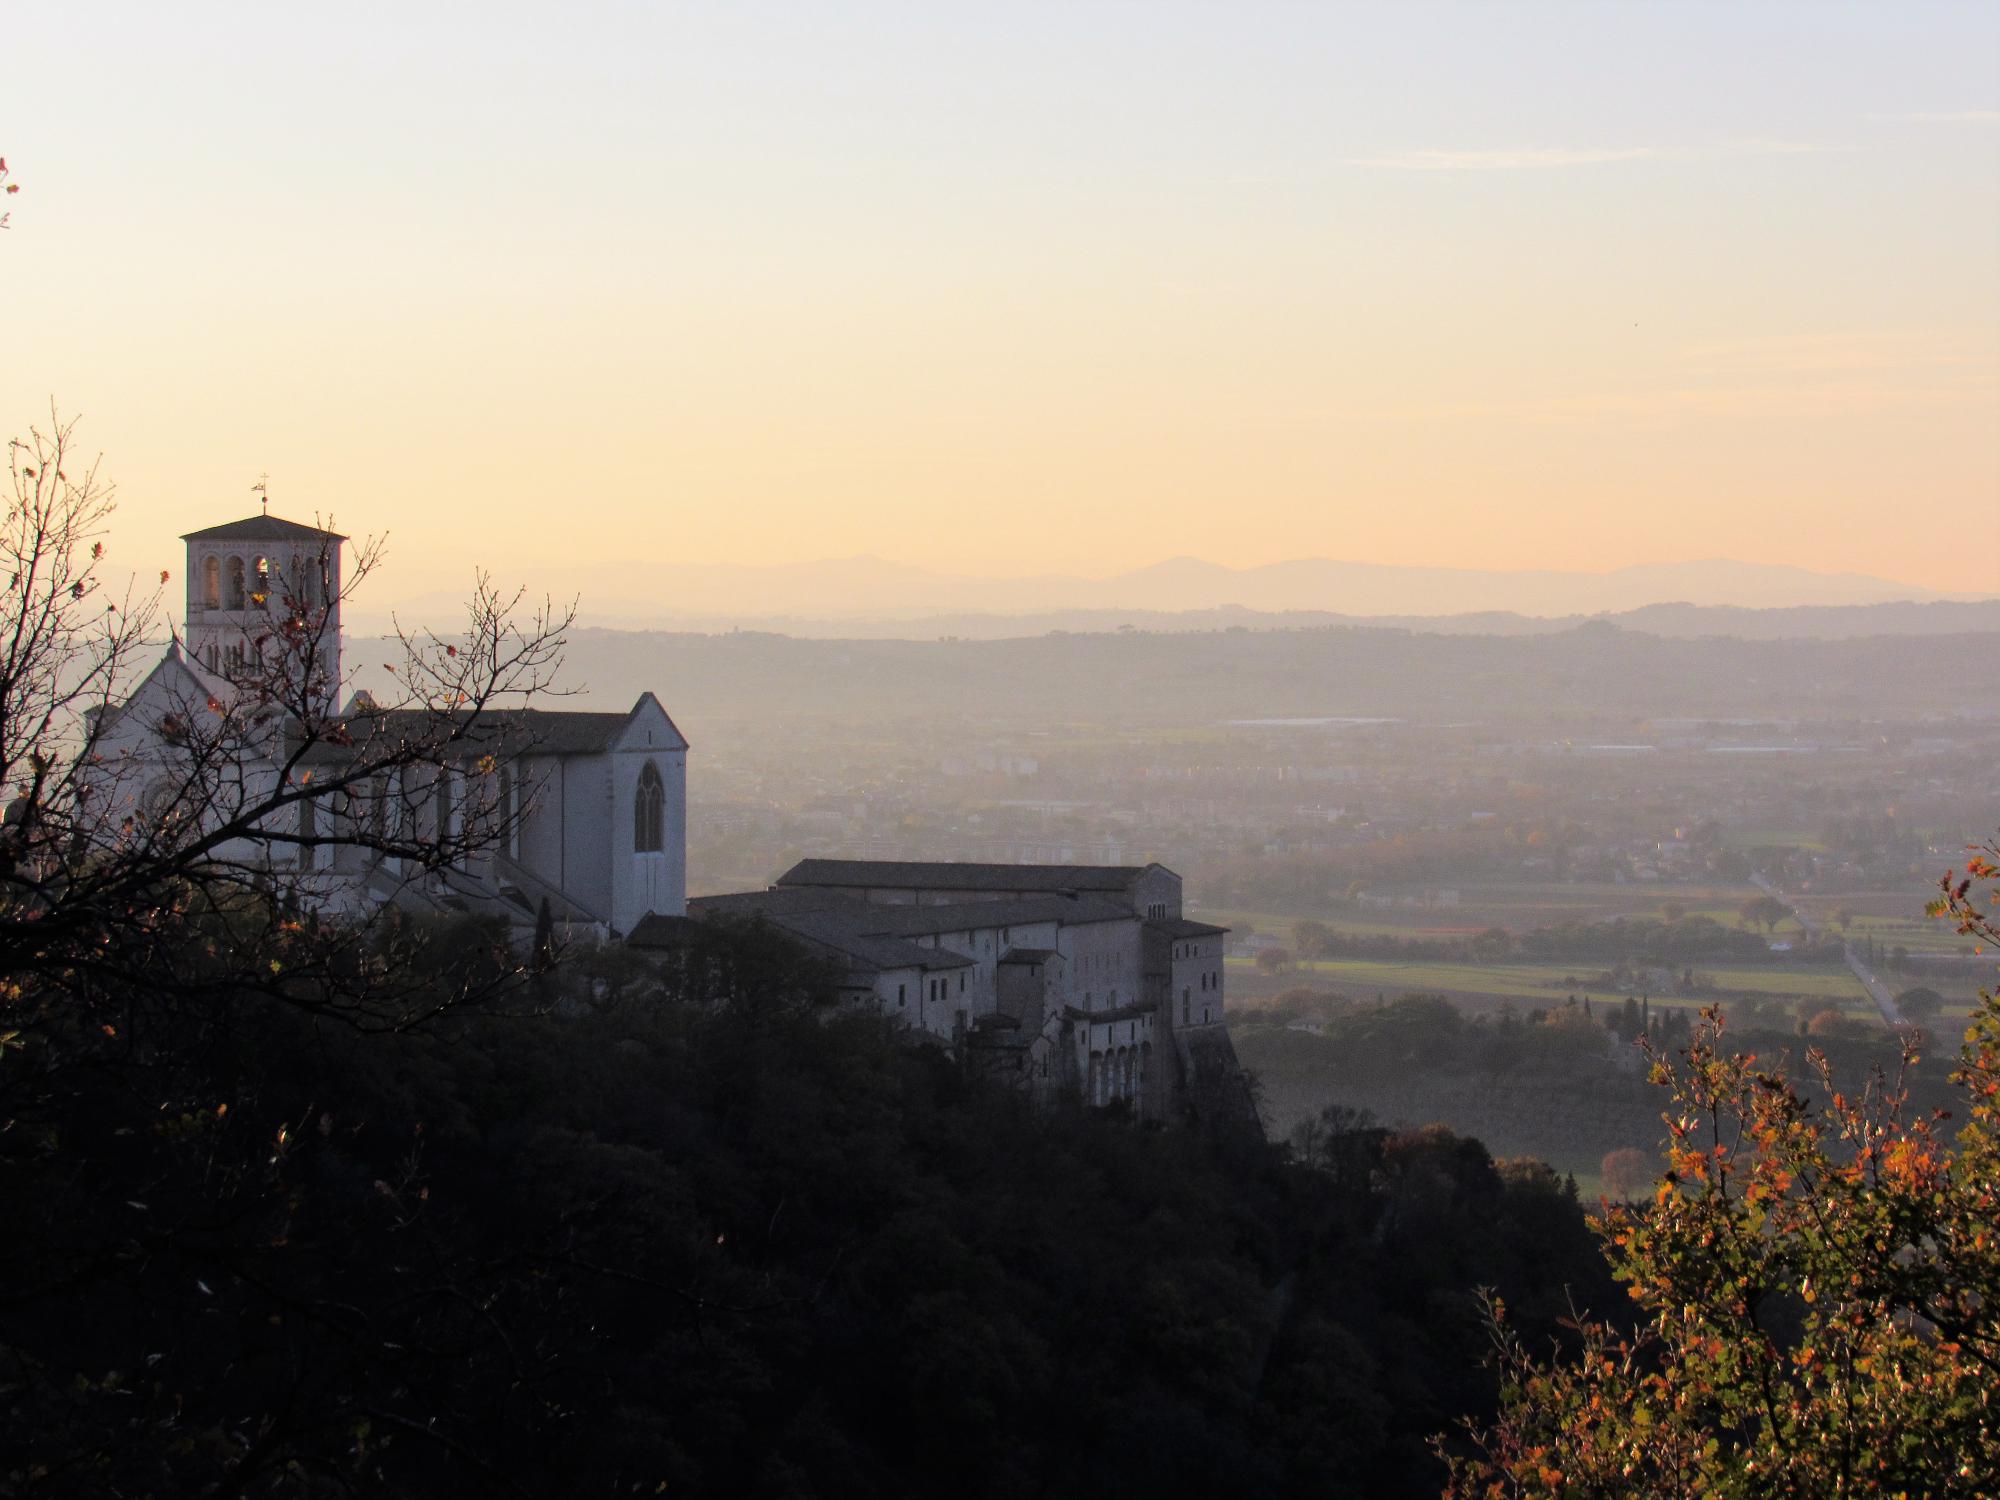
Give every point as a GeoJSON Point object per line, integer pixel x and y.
{"type": "Point", "coordinates": [939, 875]}
{"type": "Point", "coordinates": [262, 529]}
{"type": "Point", "coordinates": [532, 731]}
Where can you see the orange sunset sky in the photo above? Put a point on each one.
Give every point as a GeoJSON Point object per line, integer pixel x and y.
{"type": "Point", "coordinates": [1022, 288]}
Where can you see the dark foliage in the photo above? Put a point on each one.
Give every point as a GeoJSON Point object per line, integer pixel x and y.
{"type": "Point", "coordinates": [634, 1241]}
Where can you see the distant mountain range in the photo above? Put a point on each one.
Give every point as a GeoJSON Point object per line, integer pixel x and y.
{"type": "Point", "coordinates": [867, 596]}
{"type": "Point", "coordinates": [1586, 673]}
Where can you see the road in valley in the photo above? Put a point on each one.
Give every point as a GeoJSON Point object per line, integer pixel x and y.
{"type": "Point", "coordinates": [1880, 993]}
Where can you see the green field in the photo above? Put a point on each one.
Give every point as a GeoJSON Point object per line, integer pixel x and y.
{"type": "Point", "coordinates": [1517, 906]}
{"type": "Point", "coordinates": [1918, 934]}
{"type": "Point", "coordinates": [1537, 984]}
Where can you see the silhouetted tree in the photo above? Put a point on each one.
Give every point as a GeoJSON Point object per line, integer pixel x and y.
{"type": "Point", "coordinates": [167, 869]}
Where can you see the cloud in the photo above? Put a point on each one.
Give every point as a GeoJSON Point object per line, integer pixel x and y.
{"type": "Point", "coordinates": [1947, 117]}
{"type": "Point", "coordinates": [1677, 405]}
{"type": "Point", "coordinates": [1940, 352]}
{"type": "Point", "coordinates": [1501, 161]}
{"type": "Point", "coordinates": [1531, 158]}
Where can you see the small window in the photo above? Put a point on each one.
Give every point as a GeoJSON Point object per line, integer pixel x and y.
{"type": "Point", "coordinates": [899, 997]}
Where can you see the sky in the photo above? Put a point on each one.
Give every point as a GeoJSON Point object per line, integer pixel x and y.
{"type": "Point", "coordinates": [1020, 288]}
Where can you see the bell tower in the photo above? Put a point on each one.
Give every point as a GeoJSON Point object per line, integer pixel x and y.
{"type": "Point", "coordinates": [265, 590]}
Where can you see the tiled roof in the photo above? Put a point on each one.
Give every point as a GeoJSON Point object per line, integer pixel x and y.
{"type": "Point", "coordinates": [940, 875]}
{"type": "Point", "coordinates": [262, 529]}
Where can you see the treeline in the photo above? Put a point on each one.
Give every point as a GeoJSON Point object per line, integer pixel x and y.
{"type": "Point", "coordinates": [1416, 1033]}
{"type": "Point", "coordinates": [615, 1233]}
{"type": "Point", "coordinates": [1575, 1040]}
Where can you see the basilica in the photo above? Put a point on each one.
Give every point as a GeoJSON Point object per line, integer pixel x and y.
{"type": "Point", "coordinates": [592, 806]}
{"type": "Point", "coordinates": [1083, 981]}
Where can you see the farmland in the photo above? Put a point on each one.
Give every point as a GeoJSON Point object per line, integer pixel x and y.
{"type": "Point", "coordinates": [1528, 986]}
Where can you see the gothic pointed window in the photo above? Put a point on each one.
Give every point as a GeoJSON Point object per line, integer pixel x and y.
{"type": "Point", "coordinates": [649, 812]}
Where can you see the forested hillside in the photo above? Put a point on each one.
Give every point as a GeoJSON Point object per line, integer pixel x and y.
{"type": "Point", "coordinates": [565, 1245]}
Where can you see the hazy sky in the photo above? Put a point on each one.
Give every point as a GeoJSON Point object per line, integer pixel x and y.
{"type": "Point", "coordinates": [1022, 288]}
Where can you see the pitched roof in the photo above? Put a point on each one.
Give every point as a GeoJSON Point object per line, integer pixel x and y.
{"type": "Point", "coordinates": [769, 903]}
{"type": "Point", "coordinates": [969, 916]}
{"type": "Point", "coordinates": [261, 529]}
{"type": "Point", "coordinates": [533, 731]}
{"type": "Point", "coordinates": [1178, 927]}
{"type": "Point", "coordinates": [941, 875]}
{"type": "Point", "coordinates": [876, 936]}
{"type": "Point", "coordinates": [1027, 955]}
{"type": "Point", "coordinates": [782, 903]}
{"type": "Point", "coordinates": [831, 931]}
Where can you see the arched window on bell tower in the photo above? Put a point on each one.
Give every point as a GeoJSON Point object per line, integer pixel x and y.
{"type": "Point", "coordinates": [232, 595]}
{"type": "Point", "coordinates": [649, 812]}
{"type": "Point", "coordinates": [211, 582]}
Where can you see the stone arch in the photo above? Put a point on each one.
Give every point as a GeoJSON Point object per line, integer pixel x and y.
{"type": "Point", "coordinates": [232, 594]}
{"type": "Point", "coordinates": [649, 808]}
